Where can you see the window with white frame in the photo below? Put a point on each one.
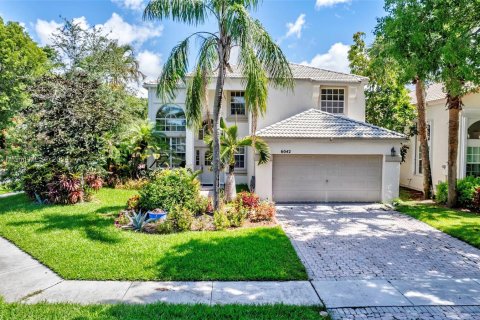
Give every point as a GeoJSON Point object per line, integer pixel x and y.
{"type": "Point", "coordinates": [332, 100]}
{"type": "Point", "coordinates": [473, 161]}
{"type": "Point", "coordinates": [418, 150]}
{"type": "Point", "coordinates": [170, 118]}
{"type": "Point", "coordinates": [237, 103]}
{"type": "Point", "coordinates": [240, 158]}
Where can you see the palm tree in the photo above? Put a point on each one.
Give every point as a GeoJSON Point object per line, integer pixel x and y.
{"type": "Point", "coordinates": [230, 144]}
{"type": "Point", "coordinates": [141, 142]}
{"type": "Point", "coordinates": [260, 60]}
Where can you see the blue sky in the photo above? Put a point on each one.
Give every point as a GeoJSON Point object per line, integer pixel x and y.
{"type": "Point", "coordinates": [315, 32]}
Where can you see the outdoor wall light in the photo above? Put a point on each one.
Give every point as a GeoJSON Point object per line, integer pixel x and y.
{"type": "Point", "coordinates": [393, 152]}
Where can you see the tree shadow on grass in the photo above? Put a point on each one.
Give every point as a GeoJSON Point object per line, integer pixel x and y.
{"type": "Point", "coordinates": [19, 202]}
{"type": "Point", "coordinates": [259, 254]}
{"type": "Point", "coordinates": [96, 228]}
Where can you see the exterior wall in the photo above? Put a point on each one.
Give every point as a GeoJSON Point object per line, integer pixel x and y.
{"type": "Point", "coordinates": [437, 114]}
{"type": "Point", "coordinates": [390, 168]}
{"type": "Point", "coordinates": [281, 105]}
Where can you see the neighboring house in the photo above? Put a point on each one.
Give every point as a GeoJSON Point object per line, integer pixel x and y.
{"type": "Point", "coordinates": [437, 130]}
{"type": "Point", "coordinates": [322, 150]}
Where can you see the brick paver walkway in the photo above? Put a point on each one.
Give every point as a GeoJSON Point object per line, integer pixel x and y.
{"type": "Point", "coordinates": [361, 242]}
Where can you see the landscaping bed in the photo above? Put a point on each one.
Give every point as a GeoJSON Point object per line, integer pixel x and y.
{"type": "Point", "coordinates": [82, 242]}
{"type": "Point", "coordinates": [16, 311]}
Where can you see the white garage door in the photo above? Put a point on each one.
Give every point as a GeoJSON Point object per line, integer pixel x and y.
{"type": "Point", "coordinates": [327, 178]}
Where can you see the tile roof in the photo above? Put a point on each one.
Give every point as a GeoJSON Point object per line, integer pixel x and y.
{"type": "Point", "coordinates": [314, 123]}
{"type": "Point", "coordinates": [307, 73]}
{"type": "Point", "coordinates": [434, 92]}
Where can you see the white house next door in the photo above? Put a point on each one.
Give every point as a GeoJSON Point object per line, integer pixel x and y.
{"type": "Point", "coordinates": [327, 178]}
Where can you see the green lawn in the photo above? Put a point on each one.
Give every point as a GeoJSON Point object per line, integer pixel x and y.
{"type": "Point", "coordinates": [462, 225]}
{"type": "Point", "coordinates": [154, 311]}
{"type": "Point", "coordinates": [80, 242]}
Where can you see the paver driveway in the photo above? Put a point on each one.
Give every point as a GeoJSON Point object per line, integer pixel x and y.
{"type": "Point", "coordinates": [366, 262]}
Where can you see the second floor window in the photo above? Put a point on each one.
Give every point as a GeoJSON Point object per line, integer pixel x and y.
{"type": "Point", "coordinates": [332, 100]}
{"type": "Point", "coordinates": [237, 103]}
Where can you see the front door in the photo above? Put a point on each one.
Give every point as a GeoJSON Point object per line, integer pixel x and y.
{"type": "Point", "coordinates": [203, 163]}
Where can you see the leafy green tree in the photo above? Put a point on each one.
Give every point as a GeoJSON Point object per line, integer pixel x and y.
{"type": "Point", "coordinates": [406, 33]}
{"type": "Point", "coordinates": [69, 120]}
{"type": "Point", "coordinates": [261, 60]}
{"type": "Point", "coordinates": [230, 144]}
{"type": "Point", "coordinates": [387, 100]}
{"type": "Point", "coordinates": [21, 62]}
{"type": "Point", "coordinates": [437, 40]}
{"type": "Point", "coordinates": [100, 57]}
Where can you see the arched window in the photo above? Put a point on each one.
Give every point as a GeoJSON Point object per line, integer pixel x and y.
{"type": "Point", "coordinates": [171, 122]}
{"type": "Point", "coordinates": [170, 118]}
{"type": "Point", "coordinates": [474, 131]}
{"type": "Point", "coordinates": [205, 129]}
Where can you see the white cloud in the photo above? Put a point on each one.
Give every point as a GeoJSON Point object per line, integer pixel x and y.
{"type": "Point", "coordinates": [127, 33]}
{"type": "Point", "coordinates": [81, 22]}
{"type": "Point", "coordinates": [115, 27]}
{"type": "Point", "coordinates": [329, 3]}
{"type": "Point", "coordinates": [131, 4]}
{"type": "Point", "coordinates": [45, 29]}
{"type": "Point", "coordinates": [335, 59]}
{"type": "Point", "coordinates": [296, 27]}
{"type": "Point", "coordinates": [150, 64]}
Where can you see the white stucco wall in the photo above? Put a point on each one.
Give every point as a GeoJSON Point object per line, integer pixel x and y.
{"type": "Point", "coordinates": [390, 170]}
{"type": "Point", "coordinates": [437, 115]}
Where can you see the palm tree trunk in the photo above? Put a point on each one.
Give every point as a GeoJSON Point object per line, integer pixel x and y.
{"type": "Point", "coordinates": [223, 53]}
{"type": "Point", "coordinates": [454, 106]}
{"type": "Point", "coordinates": [422, 133]}
{"type": "Point", "coordinates": [230, 187]}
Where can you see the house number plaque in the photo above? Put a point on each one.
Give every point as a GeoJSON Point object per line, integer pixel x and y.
{"type": "Point", "coordinates": [285, 151]}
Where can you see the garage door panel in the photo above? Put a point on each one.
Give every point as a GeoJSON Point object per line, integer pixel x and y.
{"type": "Point", "coordinates": [327, 178]}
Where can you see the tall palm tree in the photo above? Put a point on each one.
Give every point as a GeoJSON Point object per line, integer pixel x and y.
{"type": "Point", "coordinates": [260, 60]}
{"type": "Point", "coordinates": [230, 144]}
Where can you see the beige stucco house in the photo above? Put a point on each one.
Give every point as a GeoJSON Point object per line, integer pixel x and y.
{"type": "Point", "coordinates": [437, 124]}
{"type": "Point", "coordinates": [322, 150]}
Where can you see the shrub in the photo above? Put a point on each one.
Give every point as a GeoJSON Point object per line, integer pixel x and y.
{"type": "Point", "coordinates": [220, 220]}
{"type": "Point", "coordinates": [131, 184]}
{"type": "Point", "coordinates": [138, 220]}
{"type": "Point", "coordinates": [265, 211]}
{"type": "Point", "coordinates": [165, 227]}
{"type": "Point", "coordinates": [171, 188]}
{"type": "Point", "coordinates": [132, 202]}
{"type": "Point", "coordinates": [442, 193]}
{"type": "Point", "coordinates": [236, 215]}
{"type": "Point", "coordinates": [476, 200]}
{"type": "Point", "coordinates": [465, 189]}
{"type": "Point", "coordinates": [181, 218]}
{"type": "Point", "coordinates": [248, 199]}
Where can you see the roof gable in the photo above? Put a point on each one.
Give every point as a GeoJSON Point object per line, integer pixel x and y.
{"type": "Point", "coordinates": [314, 123]}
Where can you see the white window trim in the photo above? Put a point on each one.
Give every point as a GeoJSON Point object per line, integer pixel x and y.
{"type": "Point", "coordinates": [233, 117]}
{"type": "Point", "coordinates": [345, 98]}
{"type": "Point", "coordinates": [244, 160]}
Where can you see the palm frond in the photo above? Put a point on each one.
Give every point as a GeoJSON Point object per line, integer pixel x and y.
{"type": "Point", "coordinates": [193, 12]}
{"type": "Point", "coordinates": [197, 85]}
{"type": "Point", "coordinates": [174, 71]}
{"type": "Point", "coordinates": [263, 150]}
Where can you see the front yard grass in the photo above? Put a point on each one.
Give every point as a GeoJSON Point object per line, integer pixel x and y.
{"type": "Point", "coordinates": [16, 311]}
{"type": "Point", "coordinates": [81, 242]}
{"type": "Point", "coordinates": [459, 224]}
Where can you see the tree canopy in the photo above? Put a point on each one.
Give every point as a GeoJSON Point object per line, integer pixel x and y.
{"type": "Point", "coordinates": [387, 100]}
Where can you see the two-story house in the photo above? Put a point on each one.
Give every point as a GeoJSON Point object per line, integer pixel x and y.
{"type": "Point", "coordinates": [322, 150]}
{"type": "Point", "coordinates": [468, 162]}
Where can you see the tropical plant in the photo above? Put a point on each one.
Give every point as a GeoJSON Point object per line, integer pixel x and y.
{"type": "Point", "coordinates": [230, 144]}
{"type": "Point", "coordinates": [138, 220]}
{"type": "Point", "coordinates": [260, 60]}
{"type": "Point", "coordinates": [142, 142]}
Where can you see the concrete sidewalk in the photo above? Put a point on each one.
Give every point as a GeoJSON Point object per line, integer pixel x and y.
{"type": "Point", "coordinates": [23, 278]}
